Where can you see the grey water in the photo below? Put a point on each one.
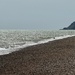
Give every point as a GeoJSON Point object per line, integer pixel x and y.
{"type": "Point", "coordinates": [16, 38]}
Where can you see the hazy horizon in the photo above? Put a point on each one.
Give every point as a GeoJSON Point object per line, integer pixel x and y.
{"type": "Point", "coordinates": [36, 14]}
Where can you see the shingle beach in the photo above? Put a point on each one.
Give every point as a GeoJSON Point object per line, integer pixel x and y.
{"type": "Point", "coordinates": [52, 58]}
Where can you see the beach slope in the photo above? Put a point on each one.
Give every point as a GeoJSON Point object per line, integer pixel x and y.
{"type": "Point", "coordinates": [52, 58]}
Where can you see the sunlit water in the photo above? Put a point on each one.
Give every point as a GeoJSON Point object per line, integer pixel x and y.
{"type": "Point", "coordinates": [11, 39]}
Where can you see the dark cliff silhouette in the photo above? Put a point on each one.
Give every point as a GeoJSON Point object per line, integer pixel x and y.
{"type": "Point", "coordinates": [70, 27]}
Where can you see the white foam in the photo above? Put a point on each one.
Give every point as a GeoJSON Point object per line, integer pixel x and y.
{"type": "Point", "coordinates": [56, 38]}
{"type": "Point", "coordinates": [4, 51]}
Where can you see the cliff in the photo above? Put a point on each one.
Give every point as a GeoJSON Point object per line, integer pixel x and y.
{"type": "Point", "coordinates": [70, 27]}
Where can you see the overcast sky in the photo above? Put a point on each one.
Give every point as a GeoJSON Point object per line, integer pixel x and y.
{"type": "Point", "coordinates": [36, 14]}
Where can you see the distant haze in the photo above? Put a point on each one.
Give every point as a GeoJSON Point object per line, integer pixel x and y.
{"type": "Point", "coordinates": [36, 14]}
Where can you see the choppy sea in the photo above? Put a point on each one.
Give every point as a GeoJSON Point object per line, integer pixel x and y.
{"type": "Point", "coordinates": [12, 40]}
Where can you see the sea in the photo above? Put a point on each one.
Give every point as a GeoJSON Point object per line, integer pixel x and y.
{"type": "Point", "coordinates": [13, 40]}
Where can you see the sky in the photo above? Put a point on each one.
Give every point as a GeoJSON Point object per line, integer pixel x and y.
{"type": "Point", "coordinates": [36, 14]}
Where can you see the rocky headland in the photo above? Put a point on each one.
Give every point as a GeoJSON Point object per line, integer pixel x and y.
{"type": "Point", "coordinates": [70, 27]}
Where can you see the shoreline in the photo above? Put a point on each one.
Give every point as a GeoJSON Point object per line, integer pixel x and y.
{"type": "Point", "coordinates": [52, 58]}
{"type": "Point", "coordinates": [4, 51]}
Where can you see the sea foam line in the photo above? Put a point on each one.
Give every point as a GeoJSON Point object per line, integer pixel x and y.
{"type": "Point", "coordinates": [4, 51]}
